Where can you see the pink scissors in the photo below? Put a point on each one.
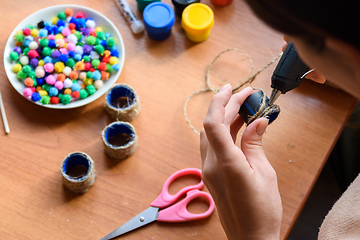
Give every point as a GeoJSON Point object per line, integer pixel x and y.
{"type": "Point", "coordinates": [175, 213]}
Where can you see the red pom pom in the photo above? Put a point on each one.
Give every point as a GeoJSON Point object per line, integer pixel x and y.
{"type": "Point", "coordinates": [75, 94]}
{"type": "Point", "coordinates": [93, 33]}
{"type": "Point", "coordinates": [54, 100]}
{"type": "Point", "coordinates": [87, 66]}
{"type": "Point", "coordinates": [101, 66]}
{"type": "Point", "coordinates": [32, 54]}
{"type": "Point", "coordinates": [92, 69]}
{"type": "Point", "coordinates": [105, 59]}
{"type": "Point", "coordinates": [80, 15]}
{"type": "Point", "coordinates": [72, 26]}
{"type": "Point", "coordinates": [26, 31]}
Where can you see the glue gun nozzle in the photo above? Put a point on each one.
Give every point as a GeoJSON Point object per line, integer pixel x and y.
{"type": "Point", "coordinates": [275, 94]}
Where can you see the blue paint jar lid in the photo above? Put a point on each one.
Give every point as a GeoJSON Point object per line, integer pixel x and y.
{"type": "Point", "coordinates": [158, 17]}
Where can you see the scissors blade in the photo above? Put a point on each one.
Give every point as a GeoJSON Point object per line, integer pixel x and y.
{"type": "Point", "coordinates": [146, 217]}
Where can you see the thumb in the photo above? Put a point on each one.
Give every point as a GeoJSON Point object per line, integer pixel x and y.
{"type": "Point", "coordinates": [251, 141]}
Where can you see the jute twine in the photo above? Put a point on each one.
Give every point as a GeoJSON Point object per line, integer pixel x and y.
{"type": "Point", "coordinates": [78, 184]}
{"type": "Point", "coordinates": [124, 151]}
{"type": "Point", "coordinates": [127, 113]}
{"type": "Point", "coordinates": [249, 80]}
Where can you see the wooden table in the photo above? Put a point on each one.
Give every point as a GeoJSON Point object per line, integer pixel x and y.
{"type": "Point", "coordinates": [35, 205]}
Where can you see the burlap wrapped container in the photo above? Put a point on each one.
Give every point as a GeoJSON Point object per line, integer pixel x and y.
{"type": "Point", "coordinates": [78, 172]}
{"type": "Point", "coordinates": [122, 113]}
{"type": "Point", "coordinates": [126, 147]}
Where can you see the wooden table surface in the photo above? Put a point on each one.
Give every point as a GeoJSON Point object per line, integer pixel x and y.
{"type": "Point", "coordinates": [35, 205]}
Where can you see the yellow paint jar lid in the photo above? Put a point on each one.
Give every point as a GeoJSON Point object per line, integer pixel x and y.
{"type": "Point", "coordinates": [197, 19]}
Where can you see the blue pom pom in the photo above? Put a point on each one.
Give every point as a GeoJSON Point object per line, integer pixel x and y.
{"type": "Point", "coordinates": [43, 32]}
{"type": "Point", "coordinates": [60, 23]}
{"type": "Point", "coordinates": [40, 81]}
{"type": "Point", "coordinates": [116, 67]}
{"type": "Point", "coordinates": [77, 57]}
{"type": "Point", "coordinates": [96, 75]}
{"type": "Point", "coordinates": [47, 59]}
{"type": "Point", "coordinates": [76, 87]}
{"type": "Point", "coordinates": [55, 60]}
{"type": "Point", "coordinates": [63, 58]}
{"type": "Point", "coordinates": [52, 43]}
{"type": "Point", "coordinates": [107, 35]}
{"type": "Point", "coordinates": [114, 53]}
{"type": "Point", "coordinates": [53, 92]}
{"type": "Point", "coordinates": [81, 23]}
{"type": "Point", "coordinates": [71, 54]}
{"type": "Point", "coordinates": [103, 43]}
{"type": "Point", "coordinates": [47, 23]}
{"type": "Point", "coordinates": [35, 96]}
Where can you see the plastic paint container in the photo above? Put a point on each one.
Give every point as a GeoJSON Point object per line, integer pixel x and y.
{"type": "Point", "coordinates": [197, 21]}
{"type": "Point", "coordinates": [221, 3]}
{"type": "Point", "coordinates": [143, 3]}
{"type": "Point", "coordinates": [180, 5]}
{"type": "Point", "coordinates": [159, 18]}
{"type": "Point", "coordinates": [252, 105]}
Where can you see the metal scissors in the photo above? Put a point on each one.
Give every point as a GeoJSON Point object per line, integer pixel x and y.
{"type": "Point", "coordinates": [161, 210]}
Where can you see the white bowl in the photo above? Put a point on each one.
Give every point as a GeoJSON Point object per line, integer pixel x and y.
{"type": "Point", "coordinates": [46, 14]}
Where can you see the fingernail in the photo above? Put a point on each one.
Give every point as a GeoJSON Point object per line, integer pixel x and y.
{"type": "Point", "coordinates": [262, 126]}
{"type": "Point", "coordinates": [224, 87]}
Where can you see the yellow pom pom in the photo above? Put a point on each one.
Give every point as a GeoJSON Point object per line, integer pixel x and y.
{"type": "Point", "coordinates": [113, 60]}
{"type": "Point", "coordinates": [88, 81]}
{"type": "Point", "coordinates": [41, 63]}
{"type": "Point", "coordinates": [54, 20]}
{"type": "Point", "coordinates": [59, 36]}
{"type": "Point", "coordinates": [34, 32]}
{"type": "Point", "coordinates": [98, 29]}
{"type": "Point", "coordinates": [59, 67]}
{"type": "Point", "coordinates": [43, 93]}
{"type": "Point", "coordinates": [16, 68]}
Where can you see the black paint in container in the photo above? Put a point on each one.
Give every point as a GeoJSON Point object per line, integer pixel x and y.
{"type": "Point", "coordinates": [180, 5]}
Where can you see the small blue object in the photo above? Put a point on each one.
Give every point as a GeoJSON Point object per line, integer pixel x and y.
{"type": "Point", "coordinates": [53, 92]}
{"type": "Point", "coordinates": [76, 87]}
{"type": "Point", "coordinates": [51, 43]}
{"type": "Point", "coordinates": [47, 59]}
{"type": "Point", "coordinates": [78, 57]}
{"type": "Point", "coordinates": [159, 18]}
{"type": "Point", "coordinates": [60, 23]}
{"type": "Point", "coordinates": [115, 67]}
{"type": "Point", "coordinates": [63, 58]}
{"type": "Point", "coordinates": [96, 75]}
{"type": "Point", "coordinates": [43, 33]}
{"type": "Point", "coordinates": [71, 54]}
{"type": "Point", "coordinates": [115, 53]}
{"type": "Point", "coordinates": [40, 81]}
{"type": "Point", "coordinates": [35, 96]}
{"type": "Point", "coordinates": [47, 23]}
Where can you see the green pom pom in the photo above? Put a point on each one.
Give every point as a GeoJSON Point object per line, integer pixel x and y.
{"type": "Point", "coordinates": [26, 50]}
{"type": "Point", "coordinates": [70, 63]}
{"type": "Point", "coordinates": [95, 63]}
{"type": "Point", "coordinates": [45, 99]}
{"type": "Point", "coordinates": [109, 68]}
{"type": "Point", "coordinates": [19, 37]}
{"type": "Point", "coordinates": [47, 87]}
{"type": "Point", "coordinates": [90, 40]}
{"type": "Point", "coordinates": [78, 35]}
{"type": "Point", "coordinates": [110, 42]}
{"type": "Point", "coordinates": [61, 15]}
{"type": "Point", "coordinates": [46, 51]}
{"type": "Point", "coordinates": [21, 75]}
{"type": "Point", "coordinates": [86, 58]}
{"type": "Point", "coordinates": [66, 99]}
{"type": "Point", "coordinates": [88, 74]}
{"type": "Point", "coordinates": [100, 35]}
{"type": "Point", "coordinates": [83, 94]}
{"type": "Point", "coordinates": [26, 69]}
{"type": "Point", "coordinates": [99, 49]}
{"type": "Point", "coordinates": [30, 27]}
{"type": "Point", "coordinates": [14, 56]}
{"type": "Point", "coordinates": [34, 82]}
{"type": "Point", "coordinates": [90, 89]}
{"type": "Point", "coordinates": [44, 42]}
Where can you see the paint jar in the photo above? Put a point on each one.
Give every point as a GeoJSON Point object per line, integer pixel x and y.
{"type": "Point", "coordinates": [221, 3]}
{"type": "Point", "coordinates": [78, 172]}
{"type": "Point", "coordinates": [159, 18]}
{"type": "Point", "coordinates": [252, 104]}
{"type": "Point", "coordinates": [197, 21]}
{"type": "Point", "coordinates": [180, 5]}
{"type": "Point", "coordinates": [143, 3]}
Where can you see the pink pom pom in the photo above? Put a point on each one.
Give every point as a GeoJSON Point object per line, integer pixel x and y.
{"type": "Point", "coordinates": [63, 51]}
{"type": "Point", "coordinates": [60, 43]}
{"type": "Point", "coordinates": [33, 54]}
{"type": "Point", "coordinates": [39, 72]}
{"type": "Point", "coordinates": [59, 85]}
{"type": "Point", "coordinates": [27, 92]}
{"type": "Point", "coordinates": [70, 46]}
{"type": "Point", "coordinates": [80, 15]}
{"type": "Point", "coordinates": [49, 67]}
{"type": "Point", "coordinates": [50, 80]}
{"type": "Point", "coordinates": [66, 32]}
{"type": "Point", "coordinates": [51, 37]}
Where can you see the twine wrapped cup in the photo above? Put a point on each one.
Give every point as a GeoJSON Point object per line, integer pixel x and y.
{"type": "Point", "coordinates": [122, 103]}
{"type": "Point", "coordinates": [120, 140]}
{"type": "Point", "coordinates": [78, 172]}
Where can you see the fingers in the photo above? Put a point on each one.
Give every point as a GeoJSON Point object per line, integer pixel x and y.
{"type": "Point", "coordinates": [316, 77]}
{"type": "Point", "coordinates": [233, 107]}
{"type": "Point", "coordinates": [251, 142]}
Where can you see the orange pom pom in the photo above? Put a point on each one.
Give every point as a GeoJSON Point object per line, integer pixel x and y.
{"type": "Point", "coordinates": [74, 75]}
{"type": "Point", "coordinates": [29, 82]}
{"type": "Point", "coordinates": [61, 77]}
{"type": "Point", "coordinates": [67, 91]}
{"type": "Point", "coordinates": [68, 12]}
{"type": "Point", "coordinates": [104, 75]}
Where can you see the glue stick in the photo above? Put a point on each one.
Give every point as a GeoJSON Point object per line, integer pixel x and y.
{"type": "Point", "coordinates": [136, 25]}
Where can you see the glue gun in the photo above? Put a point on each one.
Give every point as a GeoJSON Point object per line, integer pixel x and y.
{"type": "Point", "coordinates": [288, 73]}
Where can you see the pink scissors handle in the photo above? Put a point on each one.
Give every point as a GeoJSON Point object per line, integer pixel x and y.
{"type": "Point", "coordinates": [179, 213]}
{"type": "Point", "coordinates": [166, 199]}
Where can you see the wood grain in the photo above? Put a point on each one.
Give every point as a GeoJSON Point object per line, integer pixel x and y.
{"type": "Point", "coordinates": [35, 205]}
